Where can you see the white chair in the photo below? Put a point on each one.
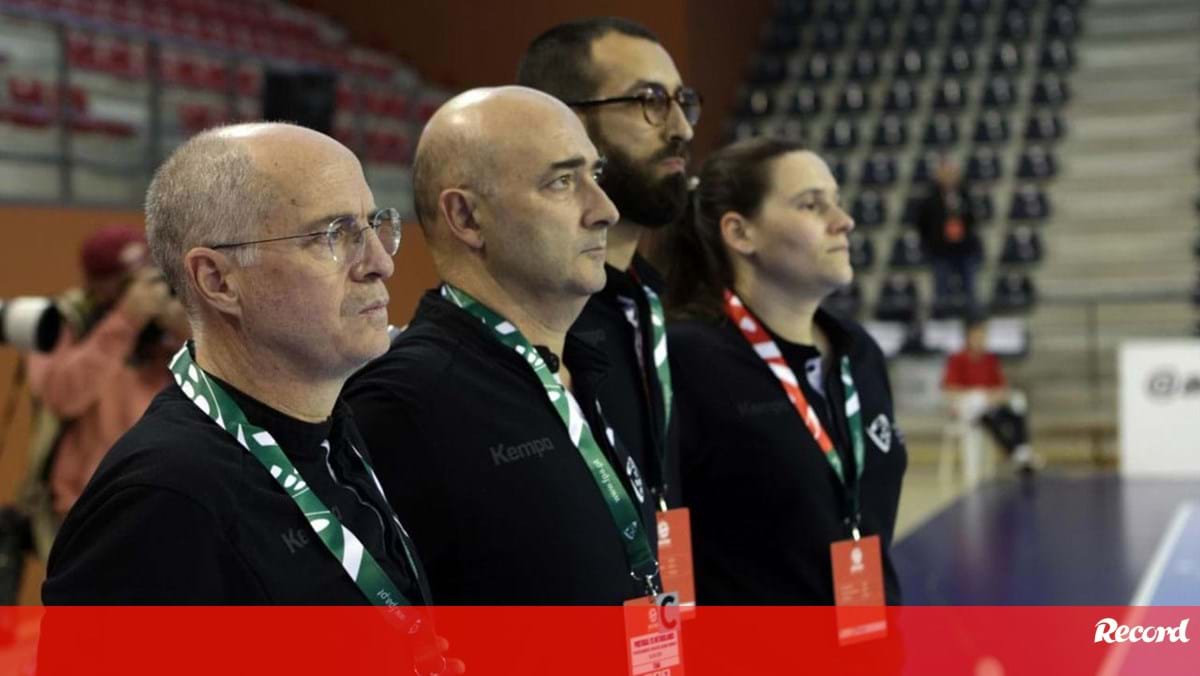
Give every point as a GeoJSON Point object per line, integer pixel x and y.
{"type": "Point", "coordinates": [962, 436]}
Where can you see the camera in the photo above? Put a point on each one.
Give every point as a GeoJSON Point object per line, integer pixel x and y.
{"type": "Point", "coordinates": [30, 323]}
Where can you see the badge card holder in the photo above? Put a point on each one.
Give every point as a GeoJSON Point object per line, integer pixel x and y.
{"type": "Point", "coordinates": [858, 590]}
{"type": "Point", "coordinates": [653, 640]}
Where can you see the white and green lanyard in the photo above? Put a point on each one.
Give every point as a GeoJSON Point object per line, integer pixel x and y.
{"type": "Point", "coordinates": [643, 564]}
{"type": "Point", "coordinates": [345, 546]}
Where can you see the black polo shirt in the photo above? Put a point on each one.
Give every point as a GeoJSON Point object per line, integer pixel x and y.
{"type": "Point", "coordinates": [765, 504]}
{"type": "Point", "coordinates": [178, 512]}
{"type": "Point", "coordinates": [480, 467]}
{"type": "Point", "coordinates": [631, 396]}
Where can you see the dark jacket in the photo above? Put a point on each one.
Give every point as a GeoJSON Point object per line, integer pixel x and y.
{"type": "Point", "coordinates": [765, 504]}
{"type": "Point", "coordinates": [932, 215]}
{"type": "Point", "coordinates": [179, 513]}
{"type": "Point", "coordinates": [631, 395]}
{"type": "Point", "coordinates": [479, 465]}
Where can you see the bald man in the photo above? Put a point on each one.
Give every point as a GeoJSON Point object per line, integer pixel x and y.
{"type": "Point", "coordinates": [483, 415]}
{"type": "Point", "coordinates": [246, 481]}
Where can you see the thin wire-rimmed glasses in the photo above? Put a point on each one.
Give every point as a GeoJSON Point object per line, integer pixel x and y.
{"type": "Point", "coordinates": [656, 103]}
{"type": "Point", "coordinates": [345, 240]}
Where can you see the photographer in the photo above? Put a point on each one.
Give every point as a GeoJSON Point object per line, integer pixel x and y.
{"type": "Point", "coordinates": [111, 358]}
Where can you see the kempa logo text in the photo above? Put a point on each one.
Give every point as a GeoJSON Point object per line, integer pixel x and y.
{"type": "Point", "coordinates": [1110, 631]}
{"type": "Point", "coordinates": [502, 455]}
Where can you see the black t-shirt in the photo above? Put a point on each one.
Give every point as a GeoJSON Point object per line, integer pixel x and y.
{"type": "Point", "coordinates": [179, 513]}
{"type": "Point", "coordinates": [765, 503]}
{"type": "Point", "coordinates": [480, 467]}
{"type": "Point", "coordinates": [631, 396]}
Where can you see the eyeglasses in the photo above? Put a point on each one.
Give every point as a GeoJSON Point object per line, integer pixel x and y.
{"type": "Point", "coordinates": [656, 103]}
{"type": "Point", "coordinates": [345, 241]}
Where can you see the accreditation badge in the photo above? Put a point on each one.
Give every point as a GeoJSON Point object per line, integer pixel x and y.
{"type": "Point", "coordinates": [675, 558]}
{"type": "Point", "coordinates": [858, 590]}
{"type": "Point", "coordinates": [653, 636]}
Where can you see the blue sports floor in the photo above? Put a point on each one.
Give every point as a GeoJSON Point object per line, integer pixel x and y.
{"type": "Point", "coordinates": [1057, 540]}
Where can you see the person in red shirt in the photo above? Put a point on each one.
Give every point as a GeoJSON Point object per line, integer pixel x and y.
{"type": "Point", "coordinates": [973, 372]}
{"type": "Point", "coordinates": [120, 330]}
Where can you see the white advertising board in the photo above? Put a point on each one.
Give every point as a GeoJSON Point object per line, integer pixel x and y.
{"type": "Point", "coordinates": [1160, 408]}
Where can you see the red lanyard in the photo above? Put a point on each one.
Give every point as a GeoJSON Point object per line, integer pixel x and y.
{"type": "Point", "coordinates": [766, 348]}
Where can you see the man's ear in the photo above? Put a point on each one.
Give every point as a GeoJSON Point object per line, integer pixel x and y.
{"type": "Point", "coordinates": [460, 209]}
{"type": "Point", "coordinates": [738, 233]}
{"type": "Point", "coordinates": [213, 280]}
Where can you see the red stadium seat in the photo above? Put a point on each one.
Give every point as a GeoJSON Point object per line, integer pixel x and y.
{"type": "Point", "coordinates": [195, 118]}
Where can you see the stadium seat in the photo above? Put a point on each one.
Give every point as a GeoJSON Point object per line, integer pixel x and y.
{"type": "Point", "coordinates": [1037, 164]}
{"type": "Point", "coordinates": [1014, 26]}
{"type": "Point", "coordinates": [794, 11]}
{"type": "Point", "coordinates": [876, 33]}
{"type": "Point", "coordinates": [830, 36]}
{"type": "Point", "coordinates": [862, 251]}
{"type": "Point", "coordinates": [781, 37]}
{"type": "Point", "coordinates": [991, 128]}
{"type": "Point", "coordinates": [929, 8]}
{"type": "Point", "coordinates": [869, 210]}
{"type": "Point", "coordinates": [958, 60]}
{"type": "Point", "coordinates": [1022, 246]}
{"type": "Point", "coordinates": [195, 118]}
{"type": "Point", "coordinates": [845, 301]}
{"type": "Point", "coordinates": [864, 66]}
{"type": "Point", "coordinates": [982, 205]}
{"type": "Point", "coordinates": [884, 9]}
{"type": "Point", "coordinates": [955, 304]}
{"type": "Point", "coordinates": [790, 129]}
{"type": "Point", "coordinates": [768, 69]}
{"type": "Point", "coordinates": [819, 68]}
{"type": "Point", "coordinates": [984, 166]}
{"type": "Point", "coordinates": [841, 11]}
{"type": "Point", "coordinates": [806, 101]}
{"type": "Point", "coordinates": [854, 100]}
{"type": "Point", "coordinates": [907, 251]}
{"type": "Point", "coordinates": [1044, 126]}
{"type": "Point", "coordinates": [755, 103]}
{"type": "Point", "coordinates": [879, 171]}
{"type": "Point", "coordinates": [977, 7]}
{"type": "Point", "coordinates": [890, 132]}
{"type": "Point", "coordinates": [940, 131]}
{"type": "Point", "coordinates": [1056, 55]}
{"type": "Point", "coordinates": [910, 63]}
{"type": "Point", "coordinates": [967, 31]}
{"type": "Point", "coordinates": [1062, 23]}
{"type": "Point", "coordinates": [841, 135]}
{"type": "Point", "coordinates": [1006, 58]}
{"type": "Point", "coordinates": [999, 93]}
{"type": "Point", "coordinates": [950, 96]}
{"type": "Point", "coordinates": [901, 97]}
{"type": "Point", "coordinates": [923, 166]}
{"type": "Point", "coordinates": [921, 32]}
{"type": "Point", "coordinates": [1013, 293]}
{"type": "Point", "coordinates": [1029, 203]}
{"type": "Point", "coordinates": [1050, 90]}
{"type": "Point", "coordinates": [898, 299]}
{"type": "Point", "coordinates": [840, 168]}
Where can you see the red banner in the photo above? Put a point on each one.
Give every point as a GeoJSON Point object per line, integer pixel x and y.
{"type": "Point", "coordinates": [983, 641]}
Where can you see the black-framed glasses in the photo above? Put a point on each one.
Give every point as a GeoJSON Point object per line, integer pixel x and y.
{"type": "Point", "coordinates": [346, 241]}
{"type": "Point", "coordinates": [656, 103]}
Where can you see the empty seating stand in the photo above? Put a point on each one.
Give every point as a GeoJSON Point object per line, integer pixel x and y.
{"type": "Point", "coordinates": [885, 89]}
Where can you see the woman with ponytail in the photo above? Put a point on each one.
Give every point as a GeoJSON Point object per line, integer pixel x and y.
{"type": "Point", "coordinates": [791, 459]}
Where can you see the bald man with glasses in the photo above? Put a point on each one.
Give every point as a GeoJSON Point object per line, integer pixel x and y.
{"type": "Point", "coordinates": [246, 482]}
